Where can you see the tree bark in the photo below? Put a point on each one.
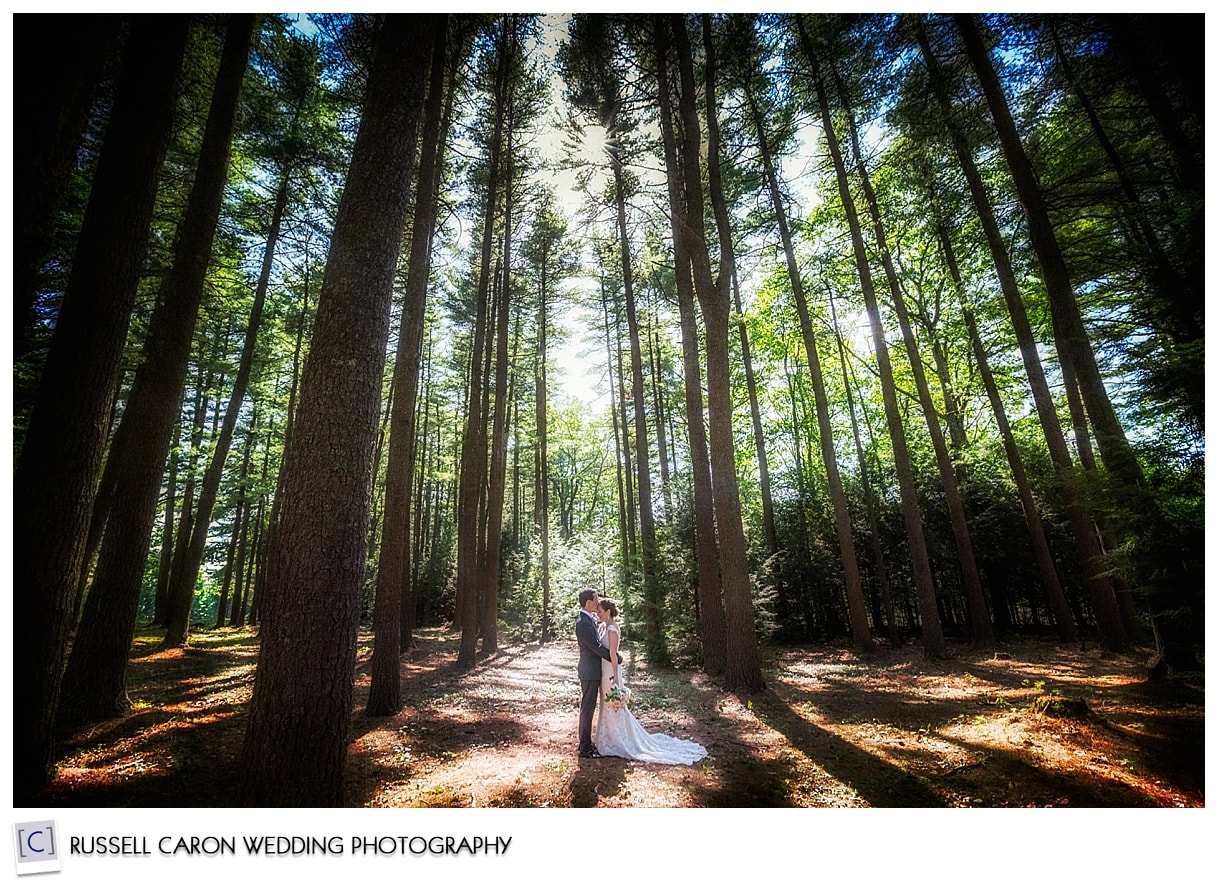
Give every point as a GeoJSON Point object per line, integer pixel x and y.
{"type": "Point", "coordinates": [979, 617]}
{"type": "Point", "coordinates": [245, 516]}
{"type": "Point", "coordinates": [706, 550]}
{"type": "Point", "coordinates": [186, 569]}
{"type": "Point", "coordinates": [653, 600]}
{"type": "Point", "coordinates": [56, 476]}
{"type": "Point", "coordinates": [1089, 551]}
{"type": "Point", "coordinates": [933, 643]}
{"type": "Point", "coordinates": [393, 562]}
{"type": "Point", "coordinates": [296, 741]}
{"type": "Point", "coordinates": [856, 603]}
{"type": "Point", "coordinates": [226, 581]}
{"type": "Point", "coordinates": [472, 480]}
{"type": "Point", "coordinates": [1067, 630]}
{"type": "Point", "coordinates": [1184, 323]}
{"type": "Point", "coordinates": [488, 595]}
{"type": "Point", "coordinates": [763, 459]}
{"type": "Point", "coordinates": [1073, 347]}
{"type": "Point", "coordinates": [621, 455]}
{"type": "Point", "coordinates": [542, 484]}
{"type": "Point", "coordinates": [203, 382]}
{"type": "Point", "coordinates": [95, 678]}
{"type": "Point", "coordinates": [742, 672]}
{"type": "Point", "coordinates": [165, 565]}
{"type": "Point", "coordinates": [658, 398]}
{"type": "Point", "coordinates": [877, 545]}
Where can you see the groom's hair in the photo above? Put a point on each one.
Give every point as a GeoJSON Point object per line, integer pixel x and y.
{"type": "Point", "coordinates": [586, 595]}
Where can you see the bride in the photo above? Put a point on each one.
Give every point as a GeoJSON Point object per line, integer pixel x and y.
{"type": "Point", "coordinates": [618, 733]}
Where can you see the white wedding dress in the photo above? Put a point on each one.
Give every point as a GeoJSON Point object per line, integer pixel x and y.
{"type": "Point", "coordinates": [618, 733]}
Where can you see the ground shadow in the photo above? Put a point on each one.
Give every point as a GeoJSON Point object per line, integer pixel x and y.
{"type": "Point", "coordinates": [596, 778]}
{"type": "Point", "coordinates": [1029, 785]}
{"type": "Point", "coordinates": [880, 783]}
{"type": "Point", "coordinates": [155, 759]}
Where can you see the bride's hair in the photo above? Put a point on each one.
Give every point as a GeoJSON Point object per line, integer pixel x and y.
{"type": "Point", "coordinates": [609, 606]}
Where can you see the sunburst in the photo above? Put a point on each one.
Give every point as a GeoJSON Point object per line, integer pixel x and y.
{"type": "Point", "coordinates": [594, 144]}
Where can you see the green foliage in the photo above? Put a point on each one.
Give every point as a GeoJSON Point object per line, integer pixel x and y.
{"type": "Point", "coordinates": [1129, 223]}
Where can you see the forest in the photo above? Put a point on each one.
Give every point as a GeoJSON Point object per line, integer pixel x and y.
{"type": "Point", "coordinates": [347, 349]}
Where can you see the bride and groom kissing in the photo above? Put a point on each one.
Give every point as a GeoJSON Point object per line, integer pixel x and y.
{"type": "Point", "coordinates": [618, 733]}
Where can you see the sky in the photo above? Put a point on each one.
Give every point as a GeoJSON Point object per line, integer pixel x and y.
{"type": "Point", "coordinates": [582, 376]}
{"type": "Point", "coordinates": [581, 370]}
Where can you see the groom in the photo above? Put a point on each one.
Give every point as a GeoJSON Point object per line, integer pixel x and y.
{"type": "Point", "coordinates": [590, 654]}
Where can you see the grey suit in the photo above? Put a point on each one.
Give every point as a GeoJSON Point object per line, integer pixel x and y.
{"type": "Point", "coordinates": [590, 654]}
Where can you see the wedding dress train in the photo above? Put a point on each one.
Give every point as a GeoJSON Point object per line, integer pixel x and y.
{"type": "Point", "coordinates": [618, 733]}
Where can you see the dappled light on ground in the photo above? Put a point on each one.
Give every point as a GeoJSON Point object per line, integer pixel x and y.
{"type": "Point", "coordinates": [1035, 724]}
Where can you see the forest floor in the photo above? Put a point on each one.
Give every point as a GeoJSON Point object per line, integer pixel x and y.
{"type": "Point", "coordinates": [1032, 724]}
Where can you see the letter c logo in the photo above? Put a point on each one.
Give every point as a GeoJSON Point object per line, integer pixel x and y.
{"type": "Point", "coordinates": [29, 841]}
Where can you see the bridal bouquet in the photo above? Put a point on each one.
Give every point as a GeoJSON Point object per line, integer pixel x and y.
{"type": "Point", "coordinates": [617, 695]}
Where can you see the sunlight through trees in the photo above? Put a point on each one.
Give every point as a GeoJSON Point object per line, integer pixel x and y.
{"type": "Point", "coordinates": [775, 328]}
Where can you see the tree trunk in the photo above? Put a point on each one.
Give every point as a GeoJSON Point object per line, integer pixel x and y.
{"type": "Point", "coordinates": [472, 479]}
{"type": "Point", "coordinates": [236, 618]}
{"type": "Point", "coordinates": [709, 583]}
{"type": "Point", "coordinates": [877, 545]}
{"type": "Point", "coordinates": [393, 562]}
{"type": "Point", "coordinates": [227, 582]}
{"type": "Point", "coordinates": [56, 476]}
{"type": "Point", "coordinates": [186, 569]}
{"type": "Point", "coordinates": [165, 564]}
{"type": "Point", "coordinates": [952, 418]}
{"type": "Point", "coordinates": [630, 561]}
{"type": "Point", "coordinates": [488, 595]}
{"type": "Point", "coordinates": [856, 603]}
{"type": "Point", "coordinates": [431, 167]}
{"type": "Point", "coordinates": [1067, 630]}
{"type": "Point", "coordinates": [1089, 550]}
{"type": "Point", "coordinates": [654, 362]}
{"type": "Point", "coordinates": [621, 455]}
{"type": "Point", "coordinates": [1073, 344]}
{"type": "Point", "coordinates": [542, 484]}
{"type": "Point", "coordinates": [60, 63]}
{"type": "Point", "coordinates": [244, 517]}
{"type": "Point", "coordinates": [94, 679]}
{"type": "Point", "coordinates": [763, 460]}
{"type": "Point", "coordinates": [653, 600]}
{"type": "Point", "coordinates": [1188, 310]}
{"type": "Point", "coordinates": [933, 643]}
{"type": "Point", "coordinates": [982, 628]}
{"type": "Point", "coordinates": [1074, 348]}
{"type": "Point", "coordinates": [203, 382]}
{"type": "Point", "coordinates": [296, 741]}
{"type": "Point", "coordinates": [272, 528]}
{"type": "Point", "coordinates": [742, 671]}
{"type": "Point", "coordinates": [425, 495]}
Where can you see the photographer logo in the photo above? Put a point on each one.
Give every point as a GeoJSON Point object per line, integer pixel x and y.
{"type": "Point", "coordinates": [36, 847]}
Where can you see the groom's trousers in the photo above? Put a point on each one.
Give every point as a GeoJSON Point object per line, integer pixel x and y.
{"type": "Point", "coordinates": [590, 691]}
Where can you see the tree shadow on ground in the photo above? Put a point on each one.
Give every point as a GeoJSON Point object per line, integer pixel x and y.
{"type": "Point", "coordinates": [400, 743]}
{"type": "Point", "coordinates": [596, 779]}
{"type": "Point", "coordinates": [1169, 748]}
{"type": "Point", "coordinates": [1029, 785]}
{"type": "Point", "coordinates": [179, 744]}
{"type": "Point", "coordinates": [153, 759]}
{"type": "Point", "coordinates": [1162, 723]}
{"type": "Point", "coordinates": [832, 730]}
{"type": "Point", "coordinates": [878, 782]}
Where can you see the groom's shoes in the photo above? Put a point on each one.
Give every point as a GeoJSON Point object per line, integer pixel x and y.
{"type": "Point", "coordinates": [590, 753]}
